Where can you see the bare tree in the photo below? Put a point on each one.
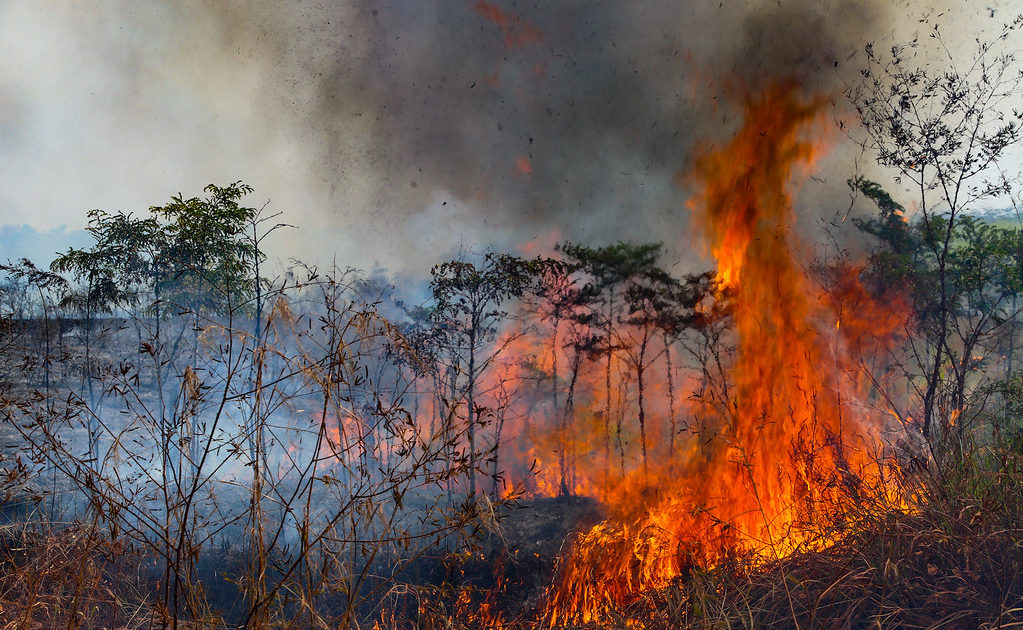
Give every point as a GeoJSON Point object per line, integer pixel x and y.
{"type": "Point", "coordinates": [942, 132]}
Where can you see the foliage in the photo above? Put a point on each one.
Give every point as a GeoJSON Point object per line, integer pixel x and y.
{"type": "Point", "coordinates": [965, 307]}
{"type": "Point", "coordinates": [114, 267]}
{"type": "Point", "coordinates": [210, 261]}
{"type": "Point", "coordinates": [324, 448]}
{"type": "Point", "coordinates": [191, 252]}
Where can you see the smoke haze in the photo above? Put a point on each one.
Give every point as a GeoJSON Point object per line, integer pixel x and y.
{"type": "Point", "coordinates": [392, 132]}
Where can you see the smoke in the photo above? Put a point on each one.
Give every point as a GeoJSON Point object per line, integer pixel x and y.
{"type": "Point", "coordinates": [474, 122]}
{"type": "Point", "coordinates": [393, 132]}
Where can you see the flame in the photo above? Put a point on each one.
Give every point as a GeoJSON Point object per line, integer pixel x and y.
{"type": "Point", "coordinates": [793, 445]}
{"type": "Point", "coordinates": [786, 447]}
{"type": "Point", "coordinates": [517, 32]}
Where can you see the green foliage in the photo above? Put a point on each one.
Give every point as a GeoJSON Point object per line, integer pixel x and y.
{"type": "Point", "coordinates": [206, 249]}
{"type": "Point", "coordinates": [26, 270]}
{"type": "Point", "coordinates": [986, 266]}
{"type": "Point", "coordinates": [622, 283]}
{"type": "Point", "coordinates": [666, 302]}
{"type": "Point", "coordinates": [190, 252]}
{"type": "Point", "coordinates": [23, 280]}
{"type": "Point", "coordinates": [963, 294]}
{"type": "Point", "coordinates": [983, 266]}
{"type": "Point", "coordinates": [608, 267]}
{"type": "Point", "coordinates": [115, 268]}
{"type": "Point", "coordinates": [613, 263]}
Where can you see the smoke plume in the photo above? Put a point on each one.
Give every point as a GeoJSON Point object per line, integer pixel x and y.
{"type": "Point", "coordinates": [393, 132]}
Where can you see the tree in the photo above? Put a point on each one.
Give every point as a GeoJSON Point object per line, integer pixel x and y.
{"type": "Point", "coordinates": [559, 300]}
{"type": "Point", "coordinates": [981, 281]}
{"type": "Point", "coordinates": [609, 269]}
{"type": "Point", "coordinates": [469, 300]}
{"type": "Point", "coordinates": [943, 132]}
{"type": "Point", "coordinates": [682, 306]}
{"type": "Point", "coordinates": [657, 304]}
{"type": "Point", "coordinates": [193, 253]}
{"type": "Point", "coordinates": [208, 250]}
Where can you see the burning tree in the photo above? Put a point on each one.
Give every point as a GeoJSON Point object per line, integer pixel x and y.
{"type": "Point", "coordinates": [610, 272]}
{"type": "Point", "coordinates": [468, 308]}
{"type": "Point", "coordinates": [791, 444]}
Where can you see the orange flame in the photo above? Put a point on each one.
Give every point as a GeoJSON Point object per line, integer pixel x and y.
{"type": "Point", "coordinates": [517, 32]}
{"type": "Point", "coordinates": [792, 446]}
{"type": "Point", "coordinates": [785, 448]}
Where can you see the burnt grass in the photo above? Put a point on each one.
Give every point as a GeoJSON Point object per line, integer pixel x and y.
{"type": "Point", "coordinates": [507, 570]}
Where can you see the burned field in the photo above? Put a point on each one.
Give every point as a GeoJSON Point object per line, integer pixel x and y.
{"type": "Point", "coordinates": [815, 427]}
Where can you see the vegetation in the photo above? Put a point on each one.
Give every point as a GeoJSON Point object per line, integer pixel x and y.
{"type": "Point", "coordinates": [188, 443]}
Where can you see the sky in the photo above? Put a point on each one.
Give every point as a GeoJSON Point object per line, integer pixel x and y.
{"type": "Point", "coordinates": [393, 133]}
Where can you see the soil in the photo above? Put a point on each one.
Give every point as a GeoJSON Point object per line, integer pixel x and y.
{"type": "Point", "coordinates": [535, 535]}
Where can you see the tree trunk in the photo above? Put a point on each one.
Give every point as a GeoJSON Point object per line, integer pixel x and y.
{"type": "Point", "coordinates": [569, 411]}
{"type": "Point", "coordinates": [471, 402]}
{"type": "Point", "coordinates": [607, 397]}
{"type": "Point", "coordinates": [672, 422]}
{"type": "Point", "coordinates": [640, 369]}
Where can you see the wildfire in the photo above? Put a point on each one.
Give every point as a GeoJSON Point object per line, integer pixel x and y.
{"type": "Point", "coordinates": [793, 445]}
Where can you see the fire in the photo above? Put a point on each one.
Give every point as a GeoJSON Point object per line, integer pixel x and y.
{"type": "Point", "coordinates": [517, 32]}
{"type": "Point", "coordinates": [783, 446]}
{"type": "Point", "coordinates": [787, 376]}
{"type": "Point", "coordinates": [792, 446]}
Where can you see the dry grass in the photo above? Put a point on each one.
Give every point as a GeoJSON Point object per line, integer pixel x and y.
{"type": "Point", "coordinates": [953, 561]}
{"type": "Point", "coordinates": [72, 577]}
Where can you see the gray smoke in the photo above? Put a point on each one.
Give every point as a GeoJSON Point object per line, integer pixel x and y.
{"type": "Point", "coordinates": [476, 122]}
{"type": "Point", "coordinates": [394, 131]}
